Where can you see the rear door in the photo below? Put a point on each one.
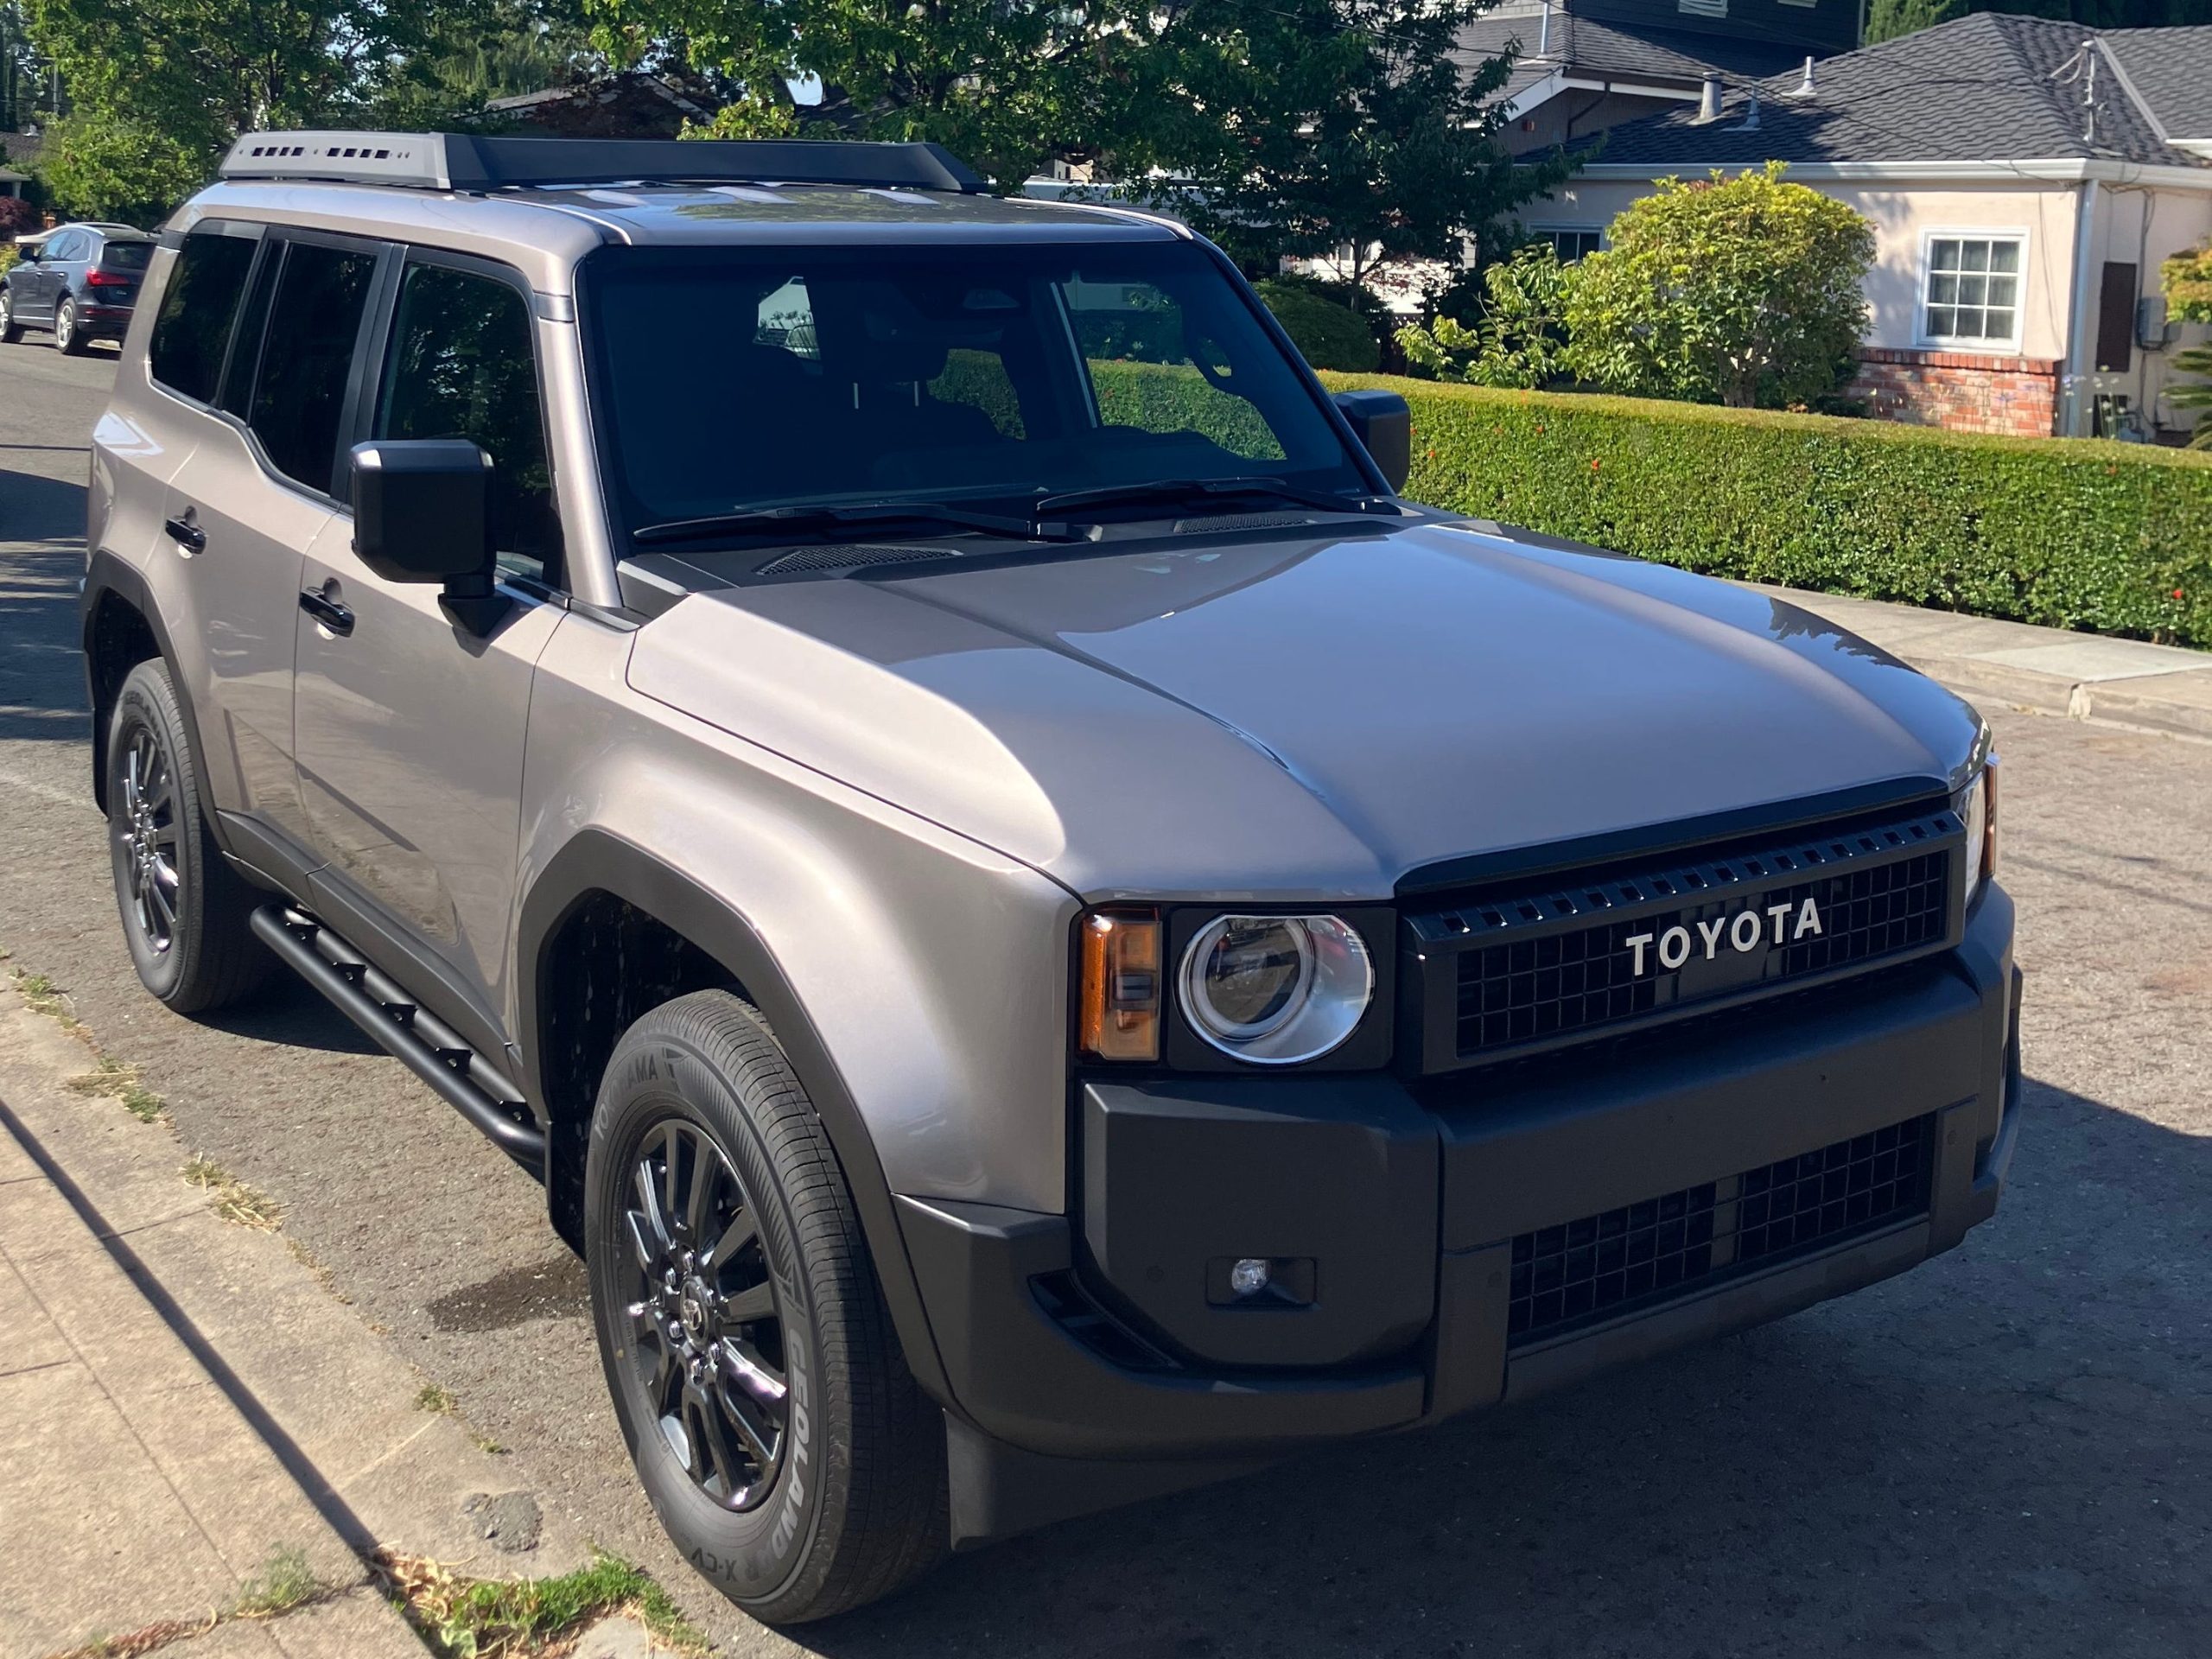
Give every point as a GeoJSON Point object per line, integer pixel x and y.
{"type": "Point", "coordinates": [255, 495]}
{"type": "Point", "coordinates": [410, 729]}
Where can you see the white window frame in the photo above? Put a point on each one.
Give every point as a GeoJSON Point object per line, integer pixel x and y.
{"type": "Point", "coordinates": [1597, 231]}
{"type": "Point", "coordinates": [2008, 346]}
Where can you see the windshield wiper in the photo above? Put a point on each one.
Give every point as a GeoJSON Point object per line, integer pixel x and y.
{"type": "Point", "coordinates": [818, 516]}
{"type": "Point", "coordinates": [1198, 489]}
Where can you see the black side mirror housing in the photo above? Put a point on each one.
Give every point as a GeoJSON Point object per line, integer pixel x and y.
{"type": "Point", "coordinates": [1382, 422]}
{"type": "Point", "coordinates": [423, 512]}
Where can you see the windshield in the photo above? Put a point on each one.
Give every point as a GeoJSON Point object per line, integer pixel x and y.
{"type": "Point", "coordinates": [993, 377]}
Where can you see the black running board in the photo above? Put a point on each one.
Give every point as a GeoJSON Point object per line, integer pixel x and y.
{"type": "Point", "coordinates": [424, 1044]}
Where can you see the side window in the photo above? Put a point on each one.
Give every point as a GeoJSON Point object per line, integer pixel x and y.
{"type": "Point", "coordinates": [463, 365]}
{"type": "Point", "coordinates": [198, 307]}
{"type": "Point", "coordinates": [299, 398]}
{"type": "Point", "coordinates": [65, 246]}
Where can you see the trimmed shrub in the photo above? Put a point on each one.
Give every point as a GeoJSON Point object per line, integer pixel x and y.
{"type": "Point", "coordinates": [2068, 533]}
{"type": "Point", "coordinates": [1329, 336]}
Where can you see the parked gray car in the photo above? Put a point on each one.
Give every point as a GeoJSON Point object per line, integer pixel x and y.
{"type": "Point", "coordinates": [79, 282]}
{"type": "Point", "coordinates": [1049, 937]}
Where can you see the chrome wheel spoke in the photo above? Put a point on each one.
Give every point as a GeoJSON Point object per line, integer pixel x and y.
{"type": "Point", "coordinates": [738, 1231]}
{"type": "Point", "coordinates": [753, 1302]}
{"type": "Point", "coordinates": [752, 1373]}
{"type": "Point", "coordinates": [760, 1435]}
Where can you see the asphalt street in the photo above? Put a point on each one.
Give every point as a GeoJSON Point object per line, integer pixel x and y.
{"type": "Point", "coordinates": [2007, 1452]}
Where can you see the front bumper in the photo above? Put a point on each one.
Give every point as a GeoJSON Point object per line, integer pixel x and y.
{"type": "Point", "coordinates": [1093, 1359]}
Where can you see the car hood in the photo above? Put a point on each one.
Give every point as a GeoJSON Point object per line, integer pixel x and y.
{"type": "Point", "coordinates": [1306, 718]}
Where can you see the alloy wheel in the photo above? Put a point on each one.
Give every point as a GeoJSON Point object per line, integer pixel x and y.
{"type": "Point", "coordinates": [708, 1354]}
{"type": "Point", "coordinates": [148, 835]}
{"type": "Point", "coordinates": [65, 324]}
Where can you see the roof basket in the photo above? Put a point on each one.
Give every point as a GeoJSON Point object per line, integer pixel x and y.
{"type": "Point", "coordinates": [455, 161]}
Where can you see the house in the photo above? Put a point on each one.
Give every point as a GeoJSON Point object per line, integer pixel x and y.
{"type": "Point", "coordinates": [1583, 65]}
{"type": "Point", "coordinates": [2025, 178]}
{"type": "Point", "coordinates": [630, 104]}
{"type": "Point", "coordinates": [18, 151]}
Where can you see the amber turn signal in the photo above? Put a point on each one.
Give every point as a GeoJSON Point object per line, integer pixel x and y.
{"type": "Point", "coordinates": [1119, 1014]}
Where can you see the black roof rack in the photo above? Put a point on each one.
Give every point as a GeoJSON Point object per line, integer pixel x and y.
{"type": "Point", "coordinates": [456, 161]}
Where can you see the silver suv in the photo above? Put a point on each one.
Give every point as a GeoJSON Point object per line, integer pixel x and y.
{"type": "Point", "coordinates": [1048, 938]}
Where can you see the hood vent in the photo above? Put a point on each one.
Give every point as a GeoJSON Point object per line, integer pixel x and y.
{"type": "Point", "coordinates": [1241, 521]}
{"type": "Point", "coordinates": [847, 556]}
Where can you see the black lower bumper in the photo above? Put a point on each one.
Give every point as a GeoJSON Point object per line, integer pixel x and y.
{"type": "Point", "coordinates": [1095, 1360]}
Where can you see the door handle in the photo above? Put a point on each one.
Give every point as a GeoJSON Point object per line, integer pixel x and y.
{"type": "Point", "coordinates": [185, 534]}
{"type": "Point", "coordinates": [338, 618]}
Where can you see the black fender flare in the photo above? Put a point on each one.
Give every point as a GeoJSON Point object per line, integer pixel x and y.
{"type": "Point", "coordinates": [107, 573]}
{"type": "Point", "coordinates": [595, 861]}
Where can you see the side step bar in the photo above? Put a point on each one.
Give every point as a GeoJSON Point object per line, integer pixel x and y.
{"type": "Point", "coordinates": [425, 1044]}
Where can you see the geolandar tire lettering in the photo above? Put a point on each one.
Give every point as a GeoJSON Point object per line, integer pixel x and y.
{"type": "Point", "coordinates": [760, 1388]}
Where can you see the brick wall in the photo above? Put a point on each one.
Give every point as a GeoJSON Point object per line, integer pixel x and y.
{"type": "Point", "coordinates": [1964, 391]}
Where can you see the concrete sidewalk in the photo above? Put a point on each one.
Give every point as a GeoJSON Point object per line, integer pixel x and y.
{"type": "Point", "coordinates": [2084, 675]}
{"type": "Point", "coordinates": [187, 1415]}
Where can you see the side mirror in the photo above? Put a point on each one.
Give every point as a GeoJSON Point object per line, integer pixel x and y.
{"type": "Point", "coordinates": [1382, 422]}
{"type": "Point", "coordinates": [423, 512]}
{"type": "Point", "coordinates": [26, 253]}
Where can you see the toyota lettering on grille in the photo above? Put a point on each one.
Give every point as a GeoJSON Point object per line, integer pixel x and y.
{"type": "Point", "coordinates": [1744, 932]}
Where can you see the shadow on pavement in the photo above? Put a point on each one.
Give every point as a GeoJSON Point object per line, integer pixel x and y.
{"type": "Point", "coordinates": [2008, 1450]}
{"type": "Point", "coordinates": [36, 508]}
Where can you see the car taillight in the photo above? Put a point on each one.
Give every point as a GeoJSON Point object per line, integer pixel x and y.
{"type": "Point", "coordinates": [97, 278]}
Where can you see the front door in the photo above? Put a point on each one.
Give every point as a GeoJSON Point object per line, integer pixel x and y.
{"type": "Point", "coordinates": [408, 727]}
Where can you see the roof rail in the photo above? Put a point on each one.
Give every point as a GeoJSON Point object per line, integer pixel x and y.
{"type": "Point", "coordinates": [463, 161]}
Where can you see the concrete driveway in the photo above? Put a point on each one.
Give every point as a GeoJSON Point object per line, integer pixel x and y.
{"type": "Point", "coordinates": [2009, 1451]}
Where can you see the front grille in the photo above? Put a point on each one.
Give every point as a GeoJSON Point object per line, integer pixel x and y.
{"type": "Point", "coordinates": [1668, 1246]}
{"type": "Point", "coordinates": [1531, 968]}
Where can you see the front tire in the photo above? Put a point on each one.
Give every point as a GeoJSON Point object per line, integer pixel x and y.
{"type": "Point", "coordinates": [760, 1389]}
{"type": "Point", "coordinates": [11, 330]}
{"type": "Point", "coordinates": [186, 913]}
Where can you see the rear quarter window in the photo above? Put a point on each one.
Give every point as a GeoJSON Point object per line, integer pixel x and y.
{"type": "Point", "coordinates": [199, 309]}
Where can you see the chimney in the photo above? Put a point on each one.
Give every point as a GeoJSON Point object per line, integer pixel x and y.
{"type": "Point", "coordinates": [1709, 102]}
{"type": "Point", "coordinates": [1805, 87]}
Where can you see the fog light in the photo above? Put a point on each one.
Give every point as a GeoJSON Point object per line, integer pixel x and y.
{"type": "Point", "coordinates": [1249, 1277]}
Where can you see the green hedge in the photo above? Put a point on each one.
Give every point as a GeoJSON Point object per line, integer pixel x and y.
{"type": "Point", "coordinates": [1328, 335]}
{"type": "Point", "coordinates": [2070, 533]}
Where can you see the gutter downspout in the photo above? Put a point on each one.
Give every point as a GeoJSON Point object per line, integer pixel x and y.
{"type": "Point", "coordinates": [2074, 391]}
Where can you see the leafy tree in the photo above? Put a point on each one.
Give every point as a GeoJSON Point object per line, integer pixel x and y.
{"type": "Point", "coordinates": [1327, 336]}
{"type": "Point", "coordinates": [99, 166]}
{"type": "Point", "coordinates": [1288, 126]}
{"type": "Point", "coordinates": [2187, 279]}
{"type": "Point", "coordinates": [1520, 339]}
{"type": "Point", "coordinates": [1741, 291]}
{"type": "Point", "coordinates": [1344, 131]}
{"type": "Point", "coordinates": [470, 52]}
{"type": "Point", "coordinates": [1007, 84]}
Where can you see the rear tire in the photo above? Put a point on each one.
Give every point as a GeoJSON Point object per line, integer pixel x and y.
{"type": "Point", "coordinates": [11, 330]}
{"type": "Point", "coordinates": [67, 335]}
{"type": "Point", "coordinates": [762, 1392]}
{"type": "Point", "coordinates": [186, 912]}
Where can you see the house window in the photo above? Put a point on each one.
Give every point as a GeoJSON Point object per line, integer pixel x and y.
{"type": "Point", "coordinates": [1570, 245]}
{"type": "Point", "coordinates": [1973, 290]}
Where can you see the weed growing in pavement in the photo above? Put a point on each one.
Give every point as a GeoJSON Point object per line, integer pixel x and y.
{"type": "Point", "coordinates": [522, 1619]}
{"type": "Point", "coordinates": [120, 1081]}
{"type": "Point", "coordinates": [284, 1582]}
{"type": "Point", "coordinates": [42, 995]}
{"type": "Point", "coordinates": [233, 1200]}
{"type": "Point", "coordinates": [436, 1399]}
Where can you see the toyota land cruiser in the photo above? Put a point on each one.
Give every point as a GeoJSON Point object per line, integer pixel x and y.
{"type": "Point", "coordinates": [1048, 936]}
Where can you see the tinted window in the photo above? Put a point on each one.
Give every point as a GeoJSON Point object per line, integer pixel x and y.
{"type": "Point", "coordinates": [299, 399]}
{"type": "Point", "coordinates": [66, 246]}
{"type": "Point", "coordinates": [988, 376]}
{"type": "Point", "coordinates": [462, 366]}
{"type": "Point", "coordinates": [127, 256]}
{"type": "Point", "coordinates": [246, 355]}
{"type": "Point", "coordinates": [197, 311]}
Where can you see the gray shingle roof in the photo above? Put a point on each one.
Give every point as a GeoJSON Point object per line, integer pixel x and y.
{"type": "Point", "coordinates": [1991, 87]}
{"type": "Point", "coordinates": [2172, 70]}
{"type": "Point", "coordinates": [1608, 50]}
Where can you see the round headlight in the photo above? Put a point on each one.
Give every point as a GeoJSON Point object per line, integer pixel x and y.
{"type": "Point", "coordinates": [1276, 989]}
